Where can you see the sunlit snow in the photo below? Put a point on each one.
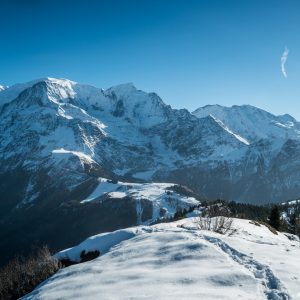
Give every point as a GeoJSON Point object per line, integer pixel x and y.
{"type": "Point", "coordinates": [179, 261]}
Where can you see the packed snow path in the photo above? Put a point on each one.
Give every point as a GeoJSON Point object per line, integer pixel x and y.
{"type": "Point", "coordinates": [167, 261]}
{"type": "Point", "coordinates": [272, 286]}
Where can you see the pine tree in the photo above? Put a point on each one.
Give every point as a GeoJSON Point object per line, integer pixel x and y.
{"type": "Point", "coordinates": [293, 223]}
{"type": "Point", "coordinates": [274, 219]}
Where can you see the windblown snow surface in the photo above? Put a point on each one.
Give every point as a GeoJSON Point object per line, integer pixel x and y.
{"type": "Point", "coordinates": [179, 261]}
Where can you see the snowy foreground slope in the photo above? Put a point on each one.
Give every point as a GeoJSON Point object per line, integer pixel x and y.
{"type": "Point", "coordinates": [178, 261]}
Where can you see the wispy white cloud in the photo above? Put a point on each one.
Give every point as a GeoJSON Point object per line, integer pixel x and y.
{"type": "Point", "coordinates": [284, 58]}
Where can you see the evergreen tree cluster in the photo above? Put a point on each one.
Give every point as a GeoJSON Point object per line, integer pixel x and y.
{"type": "Point", "coordinates": [280, 217]}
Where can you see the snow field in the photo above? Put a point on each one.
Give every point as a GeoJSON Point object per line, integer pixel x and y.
{"type": "Point", "coordinates": [177, 261]}
{"type": "Point", "coordinates": [158, 193]}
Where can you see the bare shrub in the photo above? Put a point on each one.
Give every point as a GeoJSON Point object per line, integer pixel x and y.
{"type": "Point", "coordinates": [215, 218]}
{"type": "Point", "coordinates": [20, 276]}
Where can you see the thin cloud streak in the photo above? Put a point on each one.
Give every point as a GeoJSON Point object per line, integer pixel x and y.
{"type": "Point", "coordinates": [284, 58]}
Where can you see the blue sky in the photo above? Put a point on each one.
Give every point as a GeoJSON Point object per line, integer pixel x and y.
{"type": "Point", "coordinates": [191, 53]}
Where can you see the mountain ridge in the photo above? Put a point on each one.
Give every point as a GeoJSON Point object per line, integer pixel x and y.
{"type": "Point", "coordinates": [123, 117]}
{"type": "Point", "coordinates": [251, 122]}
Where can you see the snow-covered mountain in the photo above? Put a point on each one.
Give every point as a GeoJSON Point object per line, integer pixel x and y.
{"type": "Point", "coordinates": [179, 261]}
{"type": "Point", "coordinates": [57, 124]}
{"type": "Point", "coordinates": [252, 123]}
{"type": "Point", "coordinates": [58, 137]}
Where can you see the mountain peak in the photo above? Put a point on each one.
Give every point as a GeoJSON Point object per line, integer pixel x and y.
{"type": "Point", "coordinates": [60, 81]}
{"type": "Point", "coordinates": [211, 108]}
{"type": "Point", "coordinates": [252, 123]}
{"type": "Point", "coordinates": [123, 89]}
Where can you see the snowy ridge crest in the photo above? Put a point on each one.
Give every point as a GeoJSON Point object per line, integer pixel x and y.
{"type": "Point", "coordinates": [194, 263]}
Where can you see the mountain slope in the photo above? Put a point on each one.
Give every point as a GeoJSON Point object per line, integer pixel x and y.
{"type": "Point", "coordinates": [179, 261]}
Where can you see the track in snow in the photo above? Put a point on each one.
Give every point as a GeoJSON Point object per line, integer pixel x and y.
{"type": "Point", "coordinates": [272, 286]}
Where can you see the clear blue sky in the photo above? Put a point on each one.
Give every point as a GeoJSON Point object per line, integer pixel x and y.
{"type": "Point", "coordinates": [191, 53]}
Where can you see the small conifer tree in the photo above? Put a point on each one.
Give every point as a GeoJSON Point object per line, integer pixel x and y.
{"type": "Point", "coordinates": [274, 219]}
